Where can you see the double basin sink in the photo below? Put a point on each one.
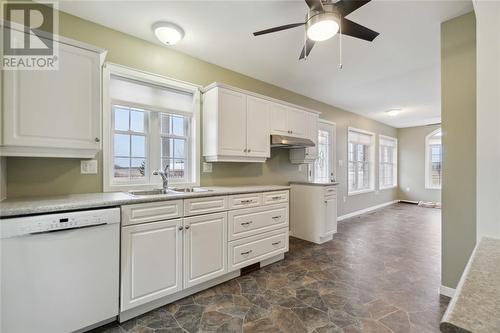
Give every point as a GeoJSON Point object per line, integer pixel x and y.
{"type": "Point", "coordinates": [171, 191]}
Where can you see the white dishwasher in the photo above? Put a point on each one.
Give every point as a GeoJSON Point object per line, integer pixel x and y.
{"type": "Point", "coordinates": [59, 272]}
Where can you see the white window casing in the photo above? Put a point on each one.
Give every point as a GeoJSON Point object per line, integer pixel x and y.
{"type": "Point", "coordinates": [361, 161]}
{"type": "Point", "coordinates": [158, 98]}
{"type": "Point", "coordinates": [388, 162]}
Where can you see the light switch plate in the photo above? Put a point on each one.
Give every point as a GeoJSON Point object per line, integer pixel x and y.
{"type": "Point", "coordinates": [88, 167]}
{"type": "Point", "coordinates": [207, 167]}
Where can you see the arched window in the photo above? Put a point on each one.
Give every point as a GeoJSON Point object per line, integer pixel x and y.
{"type": "Point", "coordinates": [433, 160]}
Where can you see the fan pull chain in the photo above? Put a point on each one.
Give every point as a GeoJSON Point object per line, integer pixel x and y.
{"type": "Point", "coordinates": [340, 44]}
{"type": "Point", "coordinates": [305, 44]}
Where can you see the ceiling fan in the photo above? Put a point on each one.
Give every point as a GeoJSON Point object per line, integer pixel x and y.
{"type": "Point", "coordinates": [324, 20]}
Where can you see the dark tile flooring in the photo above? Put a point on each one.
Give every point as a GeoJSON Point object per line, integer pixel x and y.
{"type": "Point", "coordinates": [380, 273]}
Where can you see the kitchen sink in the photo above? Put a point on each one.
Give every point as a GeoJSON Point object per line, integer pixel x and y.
{"type": "Point", "coordinates": [176, 190]}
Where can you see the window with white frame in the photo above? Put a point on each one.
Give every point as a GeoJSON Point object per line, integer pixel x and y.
{"type": "Point", "coordinates": [152, 123]}
{"type": "Point", "coordinates": [388, 162]}
{"type": "Point", "coordinates": [361, 158]}
{"type": "Point", "coordinates": [433, 160]}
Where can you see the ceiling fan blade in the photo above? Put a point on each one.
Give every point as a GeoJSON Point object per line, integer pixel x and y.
{"type": "Point", "coordinates": [345, 7]}
{"type": "Point", "coordinates": [353, 29]}
{"type": "Point", "coordinates": [315, 5]}
{"type": "Point", "coordinates": [309, 45]}
{"type": "Point", "coordinates": [281, 27]}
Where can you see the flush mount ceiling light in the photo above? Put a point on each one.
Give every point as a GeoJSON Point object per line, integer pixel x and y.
{"type": "Point", "coordinates": [393, 112]}
{"type": "Point", "coordinates": [168, 33]}
{"type": "Point", "coordinates": [322, 27]}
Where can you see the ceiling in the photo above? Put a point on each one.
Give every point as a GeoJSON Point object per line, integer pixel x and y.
{"type": "Point", "coordinates": [400, 69]}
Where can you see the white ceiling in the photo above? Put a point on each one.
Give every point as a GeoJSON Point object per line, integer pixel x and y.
{"type": "Point", "coordinates": [400, 69]}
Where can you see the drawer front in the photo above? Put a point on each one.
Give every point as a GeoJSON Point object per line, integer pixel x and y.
{"type": "Point", "coordinates": [271, 198]}
{"type": "Point", "coordinates": [252, 221]}
{"type": "Point", "coordinates": [330, 191]}
{"type": "Point", "coordinates": [206, 205]}
{"type": "Point", "coordinates": [150, 212]}
{"type": "Point", "coordinates": [253, 249]}
{"type": "Point", "coordinates": [245, 200]}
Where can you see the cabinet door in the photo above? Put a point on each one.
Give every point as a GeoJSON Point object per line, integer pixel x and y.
{"type": "Point", "coordinates": [205, 248]}
{"type": "Point", "coordinates": [232, 123]}
{"type": "Point", "coordinates": [151, 262]}
{"type": "Point", "coordinates": [297, 123]}
{"type": "Point", "coordinates": [279, 121]}
{"type": "Point", "coordinates": [330, 216]}
{"type": "Point", "coordinates": [258, 141]}
{"type": "Point", "coordinates": [55, 108]}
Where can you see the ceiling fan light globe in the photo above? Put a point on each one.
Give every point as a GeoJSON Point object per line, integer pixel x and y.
{"type": "Point", "coordinates": [322, 27]}
{"type": "Point", "coordinates": [168, 33]}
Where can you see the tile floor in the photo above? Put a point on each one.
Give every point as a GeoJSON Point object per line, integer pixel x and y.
{"type": "Point", "coordinates": [380, 273]}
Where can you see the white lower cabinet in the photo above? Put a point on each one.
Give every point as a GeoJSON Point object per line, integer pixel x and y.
{"type": "Point", "coordinates": [190, 251]}
{"type": "Point", "coordinates": [205, 244]}
{"type": "Point", "coordinates": [151, 265]}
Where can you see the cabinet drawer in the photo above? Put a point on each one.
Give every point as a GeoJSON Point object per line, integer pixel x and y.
{"type": "Point", "coordinates": [252, 221]}
{"type": "Point", "coordinates": [253, 249]}
{"type": "Point", "coordinates": [149, 212]}
{"type": "Point", "coordinates": [206, 205]}
{"type": "Point", "coordinates": [245, 200]}
{"type": "Point", "coordinates": [330, 190]}
{"type": "Point", "coordinates": [270, 198]}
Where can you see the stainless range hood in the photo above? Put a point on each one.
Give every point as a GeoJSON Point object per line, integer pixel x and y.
{"type": "Point", "coordinates": [284, 141]}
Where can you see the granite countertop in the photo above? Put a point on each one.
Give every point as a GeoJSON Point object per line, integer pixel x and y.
{"type": "Point", "coordinates": [476, 305]}
{"type": "Point", "coordinates": [39, 205]}
{"type": "Point", "coordinates": [314, 183]}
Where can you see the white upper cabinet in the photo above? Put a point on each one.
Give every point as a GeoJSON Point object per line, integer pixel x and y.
{"type": "Point", "coordinates": [54, 113]}
{"type": "Point", "coordinates": [237, 124]}
{"type": "Point", "coordinates": [235, 127]}
{"type": "Point", "coordinates": [307, 155]}
{"type": "Point", "coordinates": [288, 121]}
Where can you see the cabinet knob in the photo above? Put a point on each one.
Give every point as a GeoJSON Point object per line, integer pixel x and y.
{"type": "Point", "coordinates": [249, 150]}
{"type": "Point", "coordinates": [187, 227]}
{"type": "Point", "coordinates": [244, 150]}
{"type": "Point", "coordinates": [181, 227]}
{"type": "Point", "coordinates": [97, 140]}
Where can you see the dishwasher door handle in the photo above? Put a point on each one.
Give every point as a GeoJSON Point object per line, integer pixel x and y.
{"type": "Point", "coordinates": [67, 229]}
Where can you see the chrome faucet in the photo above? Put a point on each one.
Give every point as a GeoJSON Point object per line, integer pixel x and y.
{"type": "Point", "coordinates": [164, 176]}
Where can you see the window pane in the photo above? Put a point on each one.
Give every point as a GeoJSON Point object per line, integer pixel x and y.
{"type": "Point", "coordinates": [179, 148]}
{"type": "Point", "coordinates": [137, 121]}
{"type": "Point", "coordinates": [167, 147]}
{"type": "Point", "coordinates": [121, 145]}
{"type": "Point", "coordinates": [121, 118]}
{"type": "Point", "coordinates": [138, 145]}
{"type": "Point", "coordinates": [137, 168]}
{"type": "Point", "coordinates": [351, 152]}
{"type": "Point", "coordinates": [121, 167]}
{"type": "Point", "coordinates": [178, 171]}
{"type": "Point", "coordinates": [165, 162]}
{"type": "Point", "coordinates": [360, 153]}
{"type": "Point", "coordinates": [178, 126]}
{"type": "Point", "coordinates": [366, 175]}
{"type": "Point", "coordinates": [165, 123]}
{"type": "Point", "coordinates": [351, 176]}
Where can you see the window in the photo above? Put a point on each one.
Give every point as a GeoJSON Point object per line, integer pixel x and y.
{"type": "Point", "coordinates": [360, 161]}
{"type": "Point", "coordinates": [323, 168]}
{"type": "Point", "coordinates": [151, 123]}
{"type": "Point", "coordinates": [388, 162]}
{"type": "Point", "coordinates": [433, 160]}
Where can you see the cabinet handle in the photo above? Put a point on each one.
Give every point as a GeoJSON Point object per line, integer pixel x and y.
{"type": "Point", "coordinates": [276, 217]}
{"type": "Point", "coordinates": [249, 150]}
{"type": "Point", "coordinates": [247, 252]}
{"type": "Point", "coordinates": [187, 227]}
{"type": "Point", "coordinates": [244, 150]}
{"type": "Point", "coordinates": [97, 140]}
{"type": "Point", "coordinates": [247, 223]}
{"type": "Point", "coordinates": [276, 198]}
{"type": "Point", "coordinates": [246, 201]}
{"type": "Point", "coordinates": [276, 243]}
{"type": "Point", "coordinates": [181, 227]}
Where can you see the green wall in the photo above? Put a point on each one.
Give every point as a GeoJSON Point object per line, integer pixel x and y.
{"type": "Point", "coordinates": [458, 117]}
{"type": "Point", "coordinates": [44, 176]}
{"type": "Point", "coordinates": [411, 157]}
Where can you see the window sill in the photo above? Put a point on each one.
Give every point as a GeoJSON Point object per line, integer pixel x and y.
{"type": "Point", "coordinates": [388, 187]}
{"type": "Point", "coordinates": [349, 194]}
{"type": "Point", "coordinates": [433, 188]}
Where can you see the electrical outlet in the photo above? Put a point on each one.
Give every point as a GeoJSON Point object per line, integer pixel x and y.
{"type": "Point", "coordinates": [88, 167]}
{"type": "Point", "coordinates": [207, 167]}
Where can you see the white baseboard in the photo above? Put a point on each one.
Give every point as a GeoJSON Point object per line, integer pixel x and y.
{"type": "Point", "coordinates": [366, 210]}
{"type": "Point", "coordinates": [446, 291]}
